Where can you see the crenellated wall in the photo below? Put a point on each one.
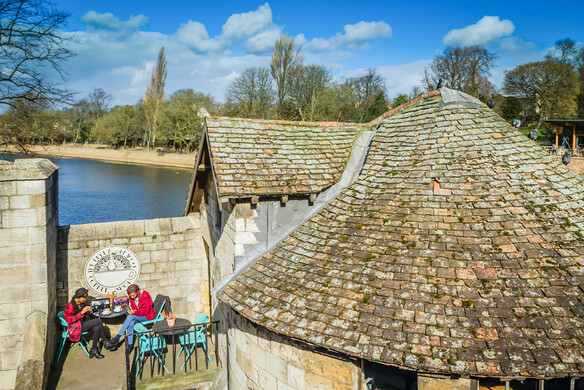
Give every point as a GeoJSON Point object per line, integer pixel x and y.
{"type": "Point", "coordinates": [172, 258]}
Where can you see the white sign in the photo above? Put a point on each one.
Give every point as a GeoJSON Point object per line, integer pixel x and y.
{"type": "Point", "coordinates": [111, 269]}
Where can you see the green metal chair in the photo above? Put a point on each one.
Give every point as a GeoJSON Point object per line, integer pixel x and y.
{"type": "Point", "coordinates": [147, 343]}
{"type": "Point", "coordinates": [196, 335]}
{"type": "Point", "coordinates": [157, 318]}
{"type": "Point", "coordinates": [65, 335]}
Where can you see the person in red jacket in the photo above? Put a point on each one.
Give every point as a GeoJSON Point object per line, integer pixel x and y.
{"type": "Point", "coordinates": [141, 310]}
{"type": "Point", "coordinates": [78, 317]}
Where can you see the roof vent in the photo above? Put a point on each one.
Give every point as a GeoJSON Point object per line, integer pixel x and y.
{"type": "Point", "coordinates": [438, 190]}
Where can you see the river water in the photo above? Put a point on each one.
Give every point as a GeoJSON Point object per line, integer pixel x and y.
{"type": "Point", "coordinates": [96, 191]}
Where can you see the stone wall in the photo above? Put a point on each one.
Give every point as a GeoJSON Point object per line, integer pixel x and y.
{"type": "Point", "coordinates": [170, 250]}
{"type": "Point", "coordinates": [260, 359]}
{"type": "Point", "coordinates": [28, 236]}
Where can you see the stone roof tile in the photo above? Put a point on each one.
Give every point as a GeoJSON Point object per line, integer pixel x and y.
{"type": "Point", "coordinates": [272, 158]}
{"type": "Point", "coordinates": [458, 250]}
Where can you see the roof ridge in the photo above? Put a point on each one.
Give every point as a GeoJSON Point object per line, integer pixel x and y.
{"type": "Point", "coordinates": [289, 122]}
{"type": "Point", "coordinates": [401, 107]}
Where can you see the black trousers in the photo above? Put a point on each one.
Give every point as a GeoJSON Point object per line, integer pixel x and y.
{"type": "Point", "coordinates": [96, 327]}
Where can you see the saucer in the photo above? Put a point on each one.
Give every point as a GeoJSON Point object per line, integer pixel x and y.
{"type": "Point", "coordinates": [117, 309]}
{"type": "Point", "coordinates": [106, 312]}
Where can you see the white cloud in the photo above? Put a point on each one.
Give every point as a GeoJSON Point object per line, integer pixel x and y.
{"type": "Point", "coordinates": [245, 25]}
{"type": "Point", "coordinates": [195, 36]}
{"type": "Point", "coordinates": [263, 41]}
{"type": "Point", "coordinates": [354, 37]}
{"type": "Point", "coordinates": [482, 33]}
{"type": "Point", "coordinates": [516, 44]}
{"type": "Point", "coordinates": [107, 21]}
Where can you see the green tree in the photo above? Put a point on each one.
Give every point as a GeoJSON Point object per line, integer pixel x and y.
{"type": "Point", "coordinates": [511, 108]}
{"type": "Point", "coordinates": [154, 100]}
{"type": "Point", "coordinates": [286, 60]}
{"type": "Point", "coordinates": [402, 98]}
{"type": "Point", "coordinates": [251, 94]}
{"type": "Point", "coordinates": [121, 125]}
{"type": "Point", "coordinates": [580, 106]}
{"type": "Point", "coordinates": [549, 86]}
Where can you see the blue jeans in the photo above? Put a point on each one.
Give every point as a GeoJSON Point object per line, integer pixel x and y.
{"type": "Point", "coordinates": [128, 325]}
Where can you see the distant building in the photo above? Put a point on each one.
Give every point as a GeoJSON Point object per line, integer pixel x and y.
{"type": "Point", "coordinates": [435, 246]}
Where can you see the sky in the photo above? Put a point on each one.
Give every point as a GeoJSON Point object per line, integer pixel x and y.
{"type": "Point", "coordinates": [209, 44]}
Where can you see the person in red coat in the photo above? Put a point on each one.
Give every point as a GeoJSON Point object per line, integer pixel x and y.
{"type": "Point", "coordinates": [141, 310]}
{"type": "Point", "coordinates": [78, 317]}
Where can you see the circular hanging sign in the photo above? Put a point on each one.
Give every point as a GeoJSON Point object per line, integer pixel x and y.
{"type": "Point", "coordinates": [111, 269]}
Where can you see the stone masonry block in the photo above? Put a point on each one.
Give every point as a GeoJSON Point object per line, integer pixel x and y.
{"type": "Point", "coordinates": [276, 366]}
{"type": "Point", "coordinates": [7, 188]}
{"type": "Point", "coordinates": [31, 187]}
{"type": "Point", "coordinates": [9, 310]}
{"type": "Point", "coordinates": [130, 228]}
{"type": "Point", "coordinates": [182, 224]}
{"type": "Point", "coordinates": [159, 256]}
{"type": "Point", "coordinates": [243, 361]}
{"type": "Point", "coordinates": [37, 235]}
{"type": "Point", "coordinates": [284, 386]}
{"type": "Point", "coordinates": [4, 202]}
{"type": "Point", "coordinates": [147, 269]}
{"type": "Point", "coordinates": [37, 200]}
{"type": "Point", "coordinates": [15, 275]}
{"type": "Point", "coordinates": [19, 218]}
{"type": "Point", "coordinates": [296, 377]}
{"type": "Point", "coordinates": [152, 227]}
{"type": "Point", "coordinates": [10, 359]}
{"type": "Point", "coordinates": [39, 274]}
{"type": "Point", "coordinates": [183, 265]}
{"type": "Point", "coordinates": [20, 202]}
{"type": "Point", "coordinates": [7, 379]}
{"type": "Point", "coordinates": [177, 254]}
{"type": "Point", "coordinates": [13, 236]}
{"type": "Point", "coordinates": [317, 382]}
{"type": "Point", "coordinates": [257, 355]}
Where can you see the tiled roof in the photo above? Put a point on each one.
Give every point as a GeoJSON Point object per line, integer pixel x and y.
{"type": "Point", "coordinates": [479, 271]}
{"type": "Point", "coordinates": [261, 157]}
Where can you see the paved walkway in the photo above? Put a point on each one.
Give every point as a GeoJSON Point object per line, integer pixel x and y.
{"type": "Point", "coordinates": [76, 371]}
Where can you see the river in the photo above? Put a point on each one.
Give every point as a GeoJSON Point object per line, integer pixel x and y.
{"type": "Point", "coordinates": [96, 191]}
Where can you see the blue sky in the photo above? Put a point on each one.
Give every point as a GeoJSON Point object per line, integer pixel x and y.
{"type": "Point", "coordinates": [208, 44]}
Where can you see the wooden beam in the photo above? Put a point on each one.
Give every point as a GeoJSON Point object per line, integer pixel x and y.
{"type": "Point", "coordinates": [255, 199]}
{"type": "Point", "coordinates": [202, 167]}
{"type": "Point", "coordinates": [312, 198]}
{"type": "Point", "coordinates": [557, 136]}
{"type": "Point", "coordinates": [284, 199]}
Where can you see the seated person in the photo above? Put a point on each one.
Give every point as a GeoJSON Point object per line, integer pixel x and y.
{"type": "Point", "coordinates": [142, 310]}
{"type": "Point", "coordinates": [78, 317]}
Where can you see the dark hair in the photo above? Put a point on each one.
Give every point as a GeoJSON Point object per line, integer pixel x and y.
{"type": "Point", "coordinates": [132, 288]}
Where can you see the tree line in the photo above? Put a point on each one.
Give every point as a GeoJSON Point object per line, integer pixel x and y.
{"type": "Point", "coordinates": [288, 88]}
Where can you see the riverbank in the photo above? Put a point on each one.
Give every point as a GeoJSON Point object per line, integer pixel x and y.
{"type": "Point", "coordinates": [105, 153]}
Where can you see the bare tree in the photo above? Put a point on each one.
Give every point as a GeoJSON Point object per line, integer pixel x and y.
{"type": "Point", "coordinates": [307, 90]}
{"type": "Point", "coordinates": [369, 85]}
{"type": "Point", "coordinates": [251, 94]}
{"type": "Point", "coordinates": [152, 103]}
{"type": "Point", "coordinates": [466, 69]}
{"type": "Point", "coordinates": [563, 51]}
{"type": "Point", "coordinates": [99, 102]}
{"type": "Point", "coordinates": [30, 45]}
{"type": "Point", "coordinates": [286, 60]}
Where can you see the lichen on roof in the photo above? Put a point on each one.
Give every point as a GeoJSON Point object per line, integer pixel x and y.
{"type": "Point", "coordinates": [270, 158]}
{"type": "Point", "coordinates": [458, 250]}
